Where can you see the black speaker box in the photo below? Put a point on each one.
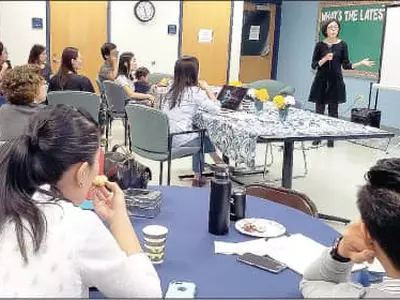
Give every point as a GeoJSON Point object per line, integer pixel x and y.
{"type": "Point", "coordinates": [365, 116]}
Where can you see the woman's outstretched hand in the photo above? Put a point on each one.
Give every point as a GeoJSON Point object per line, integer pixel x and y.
{"type": "Point", "coordinates": [368, 63]}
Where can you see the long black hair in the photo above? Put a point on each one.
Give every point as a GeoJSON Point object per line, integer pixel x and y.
{"type": "Point", "coordinates": [34, 54]}
{"type": "Point", "coordinates": [58, 137]}
{"type": "Point", "coordinates": [124, 65]}
{"type": "Point", "coordinates": [62, 75]}
{"type": "Point", "coordinates": [186, 74]}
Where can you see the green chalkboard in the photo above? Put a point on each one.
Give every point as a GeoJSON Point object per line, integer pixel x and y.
{"type": "Point", "coordinates": [361, 28]}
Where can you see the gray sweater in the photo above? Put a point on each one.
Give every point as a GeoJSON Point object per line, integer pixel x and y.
{"type": "Point", "coordinates": [328, 278]}
{"type": "Point", "coordinates": [14, 119]}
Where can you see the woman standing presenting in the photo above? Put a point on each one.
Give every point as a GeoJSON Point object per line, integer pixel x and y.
{"type": "Point", "coordinates": [330, 55]}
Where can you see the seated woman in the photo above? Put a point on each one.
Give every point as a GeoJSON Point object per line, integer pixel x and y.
{"type": "Point", "coordinates": [25, 90]}
{"type": "Point", "coordinates": [186, 95]}
{"type": "Point", "coordinates": [67, 78]}
{"type": "Point", "coordinates": [38, 56]}
{"type": "Point", "coordinates": [127, 65]}
{"type": "Point", "coordinates": [50, 247]}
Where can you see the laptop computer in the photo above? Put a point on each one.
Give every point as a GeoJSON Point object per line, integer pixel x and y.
{"type": "Point", "coordinates": [231, 96]}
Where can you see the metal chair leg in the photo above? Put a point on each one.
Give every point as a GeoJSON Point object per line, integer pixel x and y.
{"type": "Point", "coordinates": [304, 158]}
{"type": "Point", "coordinates": [161, 173]}
{"type": "Point", "coordinates": [124, 121]}
{"type": "Point", "coordinates": [129, 137]}
{"type": "Point", "coordinates": [107, 133]}
{"type": "Point", "coordinates": [169, 172]}
{"type": "Point", "coordinates": [266, 164]}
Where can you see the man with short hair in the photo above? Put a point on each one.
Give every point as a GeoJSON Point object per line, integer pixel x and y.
{"type": "Point", "coordinates": [374, 236]}
{"type": "Point", "coordinates": [109, 70]}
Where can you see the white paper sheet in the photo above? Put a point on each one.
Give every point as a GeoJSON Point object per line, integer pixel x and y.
{"type": "Point", "coordinates": [376, 266]}
{"type": "Point", "coordinates": [205, 36]}
{"type": "Point", "coordinates": [254, 34]}
{"type": "Point", "coordinates": [296, 251]}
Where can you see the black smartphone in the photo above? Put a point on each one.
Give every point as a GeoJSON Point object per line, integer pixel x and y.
{"type": "Point", "coordinates": [263, 262]}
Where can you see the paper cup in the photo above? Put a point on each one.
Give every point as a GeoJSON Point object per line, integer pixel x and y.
{"type": "Point", "coordinates": [155, 237]}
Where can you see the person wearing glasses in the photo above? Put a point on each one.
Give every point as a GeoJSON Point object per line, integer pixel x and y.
{"type": "Point", "coordinates": [329, 57]}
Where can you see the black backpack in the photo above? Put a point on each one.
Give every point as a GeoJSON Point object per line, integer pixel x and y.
{"type": "Point", "coordinates": [122, 168]}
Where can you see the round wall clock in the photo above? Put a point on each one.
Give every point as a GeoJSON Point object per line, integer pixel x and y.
{"type": "Point", "coordinates": [144, 11]}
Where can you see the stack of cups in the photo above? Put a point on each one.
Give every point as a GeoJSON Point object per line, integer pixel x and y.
{"type": "Point", "coordinates": [155, 237]}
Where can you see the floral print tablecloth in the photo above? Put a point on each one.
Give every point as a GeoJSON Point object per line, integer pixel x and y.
{"type": "Point", "coordinates": [236, 133]}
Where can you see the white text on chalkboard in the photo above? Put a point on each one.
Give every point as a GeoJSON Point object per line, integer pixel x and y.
{"type": "Point", "coordinates": [356, 15]}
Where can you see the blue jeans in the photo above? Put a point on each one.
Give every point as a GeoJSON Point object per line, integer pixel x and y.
{"type": "Point", "coordinates": [198, 159]}
{"type": "Point", "coordinates": [2, 100]}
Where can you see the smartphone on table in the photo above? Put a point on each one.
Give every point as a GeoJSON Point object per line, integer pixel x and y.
{"type": "Point", "coordinates": [181, 289]}
{"type": "Point", "coordinates": [263, 262]}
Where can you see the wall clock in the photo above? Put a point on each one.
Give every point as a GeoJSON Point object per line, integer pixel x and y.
{"type": "Point", "coordinates": [144, 11]}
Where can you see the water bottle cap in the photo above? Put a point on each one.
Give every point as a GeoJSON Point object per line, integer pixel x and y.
{"type": "Point", "coordinates": [221, 168]}
{"type": "Point", "coordinates": [221, 175]}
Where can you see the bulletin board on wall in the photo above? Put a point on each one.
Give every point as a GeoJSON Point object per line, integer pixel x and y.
{"type": "Point", "coordinates": [362, 26]}
{"type": "Point", "coordinates": [255, 32]}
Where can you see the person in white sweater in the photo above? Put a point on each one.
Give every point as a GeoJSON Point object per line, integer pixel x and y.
{"type": "Point", "coordinates": [185, 97]}
{"type": "Point", "coordinates": [49, 246]}
{"type": "Point", "coordinates": [374, 236]}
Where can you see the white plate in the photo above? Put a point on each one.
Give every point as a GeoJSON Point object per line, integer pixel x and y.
{"type": "Point", "coordinates": [263, 228]}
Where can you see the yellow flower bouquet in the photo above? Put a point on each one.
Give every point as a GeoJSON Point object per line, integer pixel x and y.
{"type": "Point", "coordinates": [236, 83]}
{"type": "Point", "coordinates": [283, 103]}
{"type": "Point", "coordinates": [260, 96]}
{"type": "Point", "coordinates": [279, 101]}
{"type": "Point", "coordinates": [164, 82]}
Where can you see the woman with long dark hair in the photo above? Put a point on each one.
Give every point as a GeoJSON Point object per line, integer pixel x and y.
{"type": "Point", "coordinates": [126, 67]}
{"type": "Point", "coordinates": [49, 246]}
{"type": "Point", "coordinates": [67, 77]}
{"type": "Point", "coordinates": [38, 56]}
{"type": "Point", "coordinates": [329, 57]}
{"type": "Point", "coordinates": [185, 97]}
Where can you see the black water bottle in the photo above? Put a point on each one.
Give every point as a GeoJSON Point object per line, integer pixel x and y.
{"type": "Point", "coordinates": [220, 196]}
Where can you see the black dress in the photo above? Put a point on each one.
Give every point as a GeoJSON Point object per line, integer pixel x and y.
{"type": "Point", "coordinates": [328, 86]}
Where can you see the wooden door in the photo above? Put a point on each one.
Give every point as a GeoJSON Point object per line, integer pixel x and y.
{"type": "Point", "coordinates": [198, 17]}
{"type": "Point", "coordinates": [80, 24]}
{"type": "Point", "coordinates": [256, 67]}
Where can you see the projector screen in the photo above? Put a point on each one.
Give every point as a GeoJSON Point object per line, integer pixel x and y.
{"type": "Point", "coordinates": [390, 65]}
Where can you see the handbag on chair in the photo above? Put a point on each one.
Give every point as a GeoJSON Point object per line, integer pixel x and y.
{"type": "Point", "coordinates": [122, 168]}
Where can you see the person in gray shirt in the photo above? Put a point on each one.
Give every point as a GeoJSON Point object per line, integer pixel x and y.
{"type": "Point", "coordinates": [25, 89]}
{"type": "Point", "coordinates": [374, 236]}
{"type": "Point", "coordinates": [109, 70]}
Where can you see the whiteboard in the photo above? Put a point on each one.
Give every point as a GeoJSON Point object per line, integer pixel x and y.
{"type": "Point", "coordinates": [390, 66]}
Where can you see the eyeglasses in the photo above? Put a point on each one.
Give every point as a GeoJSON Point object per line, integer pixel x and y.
{"type": "Point", "coordinates": [333, 28]}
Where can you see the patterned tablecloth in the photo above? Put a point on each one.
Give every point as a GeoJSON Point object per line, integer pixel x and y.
{"type": "Point", "coordinates": [236, 133]}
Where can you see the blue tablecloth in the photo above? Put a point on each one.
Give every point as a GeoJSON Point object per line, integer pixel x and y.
{"type": "Point", "coordinates": [190, 248]}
